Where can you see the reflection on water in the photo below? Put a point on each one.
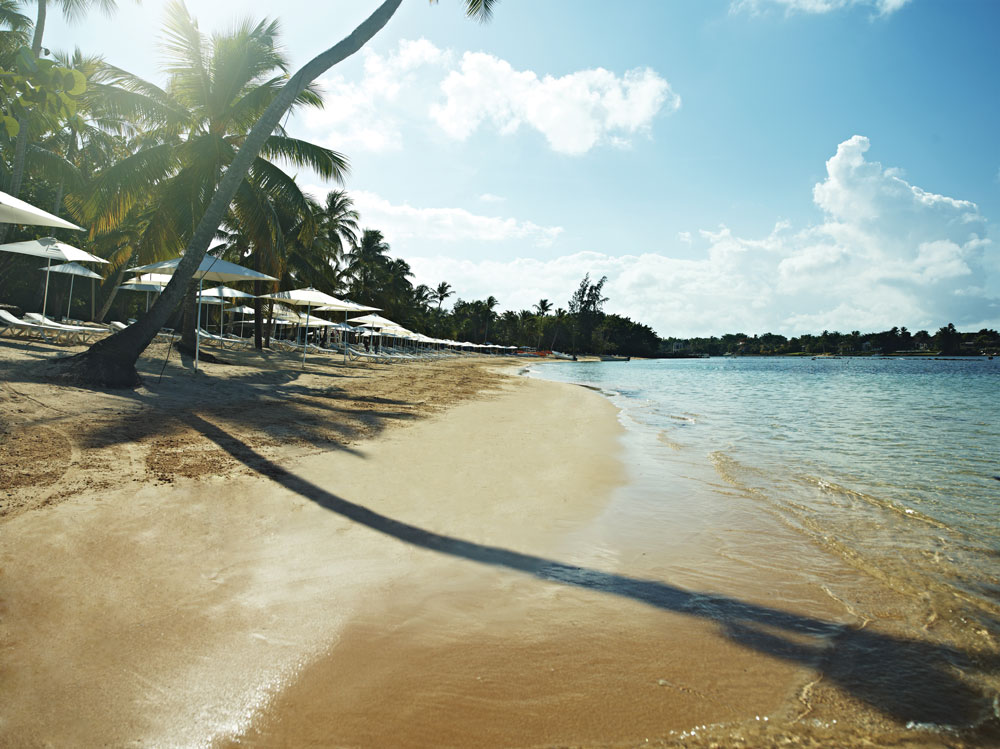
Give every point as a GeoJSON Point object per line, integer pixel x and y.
{"type": "Point", "coordinates": [889, 465]}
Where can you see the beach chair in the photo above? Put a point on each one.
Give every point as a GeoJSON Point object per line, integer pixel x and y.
{"type": "Point", "coordinates": [83, 332]}
{"type": "Point", "coordinates": [114, 326]}
{"type": "Point", "coordinates": [28, 329]}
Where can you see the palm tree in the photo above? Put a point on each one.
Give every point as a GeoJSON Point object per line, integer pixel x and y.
{"type": "Point", "coordinates": [111, 361]}
{"type": "Point", "coordinates": [367, 264]}
{"type": "Point", "coordinates": [489, 305]}
{"type": "Point", "coordinates": [339, 225]}
{"type": "Point", "coordinates": [543, 307]}
{"type": "Point", "coordinates": [217, 89]}
{"type": "Point", "coordinates": [442, 292]}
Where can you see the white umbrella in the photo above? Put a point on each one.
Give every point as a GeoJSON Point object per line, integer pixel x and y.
{"type": "Point", "coordinates": [345, 306]}
{"type": "Point", "coordinates": [307, 298]}
{"type": "Point", "coordinates": [16, 211]}
{"type": "Point", "coordinates": [50, 249]}
{"type": "Point", "coordinates": [73, 269]}
{"type": "Point", "coordinates": [210, 269]}
{"type": "Point", "coordinates": [222, 293]}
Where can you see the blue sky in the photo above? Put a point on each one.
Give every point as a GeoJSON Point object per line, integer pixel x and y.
{"type": "Point", "coordinates": [757, 165]}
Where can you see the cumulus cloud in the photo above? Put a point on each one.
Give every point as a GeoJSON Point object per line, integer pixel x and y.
{"type": "Point", "coordinates": [368, 115]}
{"type": "Point", "coordinates": [885, 253]}
{"type": "Point", "coordinates": [881, 7]}
{"type": "Point", "coordinates": [399, 222]}
{"type": "Point", "coordinates": [574, 112]}
{"type": "Point", "coordinates": [419, 85]}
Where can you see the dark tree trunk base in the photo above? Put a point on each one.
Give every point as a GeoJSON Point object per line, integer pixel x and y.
{"type": "Point", "coordinates": [94, 369]}
{"type": "Point", "coordinates": [202, 354]}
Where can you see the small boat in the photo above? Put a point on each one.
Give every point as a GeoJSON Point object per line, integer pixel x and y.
{"type": "Point", "coordinates": [609, 357]}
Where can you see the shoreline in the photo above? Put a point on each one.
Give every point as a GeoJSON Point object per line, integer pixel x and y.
{"type": "Point", "coordinates": [433, 554]}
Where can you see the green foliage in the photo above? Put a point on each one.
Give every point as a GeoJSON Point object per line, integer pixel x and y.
{"type": "Point", "coordinates": [35, 88]}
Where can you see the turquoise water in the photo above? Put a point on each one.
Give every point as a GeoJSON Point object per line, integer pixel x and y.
{"type": "Point", "coordinates": [892, 465]}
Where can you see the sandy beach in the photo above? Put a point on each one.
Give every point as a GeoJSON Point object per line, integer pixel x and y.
{"type": "Point", "coordinates": [352, 555]}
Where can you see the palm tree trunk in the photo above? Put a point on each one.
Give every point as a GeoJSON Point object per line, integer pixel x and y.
{"type": "Point", "coordinates": [119, 275]}
{"type": "Point", "coordinates": [258, 323]}
{"type": "Point", "coordinates": [270, 323]}
{"type": "Point", "coordinates": [111, 361]}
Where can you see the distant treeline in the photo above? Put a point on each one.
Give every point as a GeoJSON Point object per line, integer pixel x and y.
{"type": "Point", "coordinates": [946, 341]}
{"type": "Point", "coordinates": [581, 327]}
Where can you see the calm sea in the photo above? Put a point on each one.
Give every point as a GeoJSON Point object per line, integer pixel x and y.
{"type": "Point", "coordinates": [890, 465]}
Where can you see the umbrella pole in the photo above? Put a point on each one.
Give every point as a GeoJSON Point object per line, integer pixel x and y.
{"type": "Point", "coordinates": [70, 302]}
{"type": "Point", "coordinates": [343, 337]}
{"type": "Point", "coordinates": [305, 335]}
{"type": "Point", "coordinates": [197, 327]}
{"type": "Point", "coordinates": [45, 297]}
{"type": "Point", "coordinates": [147, 301]}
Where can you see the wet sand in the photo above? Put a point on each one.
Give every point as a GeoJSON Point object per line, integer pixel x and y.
{"type": "Point", "coordinates": [432, 554]}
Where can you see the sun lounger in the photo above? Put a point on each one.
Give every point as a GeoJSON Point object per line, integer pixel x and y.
{"type": "Point", "coordinates": [81, 333]}
{"type": "Point", "coordinates": [78, 327]}
{"type": "Point", "coordinates": [27, 329]}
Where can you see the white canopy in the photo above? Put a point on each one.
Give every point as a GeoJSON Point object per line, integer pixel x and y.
{"type": "Point", "coordinates": [224, 292]}
{"type": "Point", "coordinates": [342, 305]}
{"type": "Point", "coordinates": [376, 321]}
{"type": "Point", "coordinates": [210, 269]}
{"type": "Point", "coordinates": [137, 286]}
{"type": "Point", "coordinates": [51, 249]}
{"type": "Point", "coordinates": [73, 269]}
{"type": "Point", "coordinates": [16, 211]}
{"type": "Point", "coordinates": [159, 279]}
{"type": "Point", "coordinates": [309, 297]}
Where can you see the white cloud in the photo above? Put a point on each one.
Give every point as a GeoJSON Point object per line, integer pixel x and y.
{"type": "Point", "coordinates": [574, 112]}
{"type": "Point", "coordinates": [881, 7]}
{"type": "Point", "coordinates": [401, 222]}
{"type": "Point", "coordinates": [369, 115]}
{"type": "Point", "coordinates": [886, 253]}
{"type": "Point", "coordinates": [419, 86]}
{"type": "Point", "coordinates": [488, 197]}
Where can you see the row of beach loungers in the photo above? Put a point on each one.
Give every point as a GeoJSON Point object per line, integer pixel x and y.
{"type": "Point", "coordinates": [385, 355]}
{"type": "Point", "coordinates": [35, 326]}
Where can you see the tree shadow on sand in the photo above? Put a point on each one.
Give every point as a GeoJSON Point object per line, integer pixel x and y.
{"type": "Point", "coordinates": [907, 680]}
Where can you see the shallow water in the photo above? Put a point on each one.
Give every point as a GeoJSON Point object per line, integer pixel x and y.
{"type": "Point", "coordinates": [885, 467]}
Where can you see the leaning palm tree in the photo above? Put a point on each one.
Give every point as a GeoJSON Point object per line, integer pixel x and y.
{"type": "Point", "coordinates": [217, 89]}
{"type": "Point", "coordinates": [111, 361]}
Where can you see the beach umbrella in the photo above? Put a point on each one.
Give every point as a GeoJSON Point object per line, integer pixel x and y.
{"type": "Point", "coordinates": [223, 293]}
{"type": "Point", "coordinates": [50, 249]}
{"type": "Point", "coordinates": [211, 268]}
{"type": "Point", "coordinates": [73, 270]}
{"type": "Point", "coordinates": [347, 307]}
{"type": "Point", "coordinates": [147, 282]}
{"type": "Point", "coordinates": [307, 298]}
{"type": "Point", "coordinates": [16, 211]}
